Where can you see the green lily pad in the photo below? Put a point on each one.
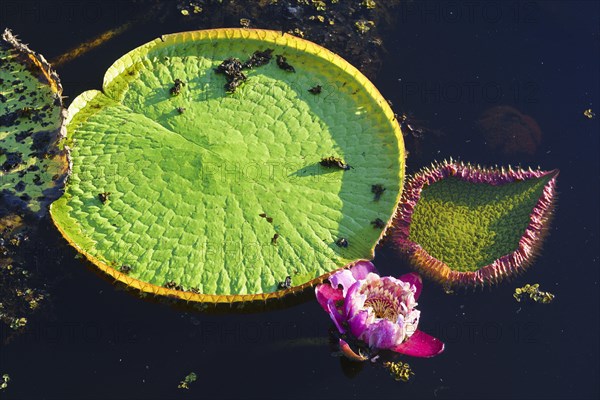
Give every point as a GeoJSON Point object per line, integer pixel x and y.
{"type": "Point", "coordinates": [32, 168]}
{"type": "Point", "coordinates": [182, 188]}
{"type": "Point", "coordinates": [467, 225]}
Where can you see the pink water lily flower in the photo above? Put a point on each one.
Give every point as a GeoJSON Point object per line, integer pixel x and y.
{"type": "Point", "coordinates": [379, 311]}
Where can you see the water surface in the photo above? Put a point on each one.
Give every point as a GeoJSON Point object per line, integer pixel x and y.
{"type": "Point", "coordinates": [447, 65]}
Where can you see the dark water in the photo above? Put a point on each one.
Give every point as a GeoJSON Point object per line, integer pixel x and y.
{"type": "Point", "coordinates": [446, 63]}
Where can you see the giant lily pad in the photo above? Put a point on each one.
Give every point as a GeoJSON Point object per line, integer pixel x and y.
{"type": "Point", "coordinates": [32, 168]}
{"type": "Point", "coordinates": [467, 225]}
{"type": "Point", "coordinates": [182, 188]}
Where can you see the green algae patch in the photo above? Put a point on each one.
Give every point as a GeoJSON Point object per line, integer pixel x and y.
{"type": "Point", "coordinates": [203, 170]}
{"type": "Point", "coordinates": [467, 225]}
{"type": "Point", "coordinates": [32, 167]}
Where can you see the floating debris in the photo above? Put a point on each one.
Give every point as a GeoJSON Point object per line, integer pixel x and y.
{"type": "Point", "coordinates": [274, 238]}
{"type": "Point", "coordinates": [378, 223]}
{"type": "Point", "coordinates": [229, 67]}
{"type": "Point", "coordinates": [18, 323]}
{"type": "Point", "coordinates": [172, 285]}
{"type": "Point", "coordinates": [265, 216]}
{"type": "Point", "coordinates": [285, 284]}
{"type": "Point", "coordinates": [322, 24]}
{"type": "Point", "coordinates": [103, 197]}
{"type": "Point", "coordinates": [319, 5]}
{"type": "Point", "coordinates": [181, 110]}
{"type": "Point", "coordinates": [258, 59]}
{"type": "Point", "coordinates": [244, 22]}
{"type": "Point", "coordinates": [589, 113]}
{"type": "Point", "coordinates": [315, 89]}
{"type": "Point", "coordinates": [342, 242]}
{"type": "Point", "coordinates": [334, 162]}
{"type": "Point", "coordinates": [20, 296]}
{"type": "Point", "coordinates": [409, 125]}
{"type": "Point", "coordinates": [283, 64]}
{"type": "Point", "coordinates": [177, 86]}
{"type": "Point", "coordinates": [377, 190]}
{"type": "Point", "coordinates": [5, 380]}
{"type": "Point", "coordinates": [125, 269]}
{"type": "Point", "coordinates": [185, 383]}
{"type": "Point", "coordinates": [319, 18]}
{"type": "Point", "coordinates": [232, 69]}
{"type": "Point", "coordinates": [363, 26]}
{"type": "Point", "coordinates": [190, 7]}
{"type": "Point", "coordinates": [447, 288]}
{"type": "Point", "coordinates": [399, 371]}
{"type": "Point", "coordinates": [296, 32]}
{"type": "Point", "coordinates": [368, 4]}
{"type": "Point", "coordinates": [534, 293]}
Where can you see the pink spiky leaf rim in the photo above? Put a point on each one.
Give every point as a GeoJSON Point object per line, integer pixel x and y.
{"type": "Point", "coordinates": [464, 225]}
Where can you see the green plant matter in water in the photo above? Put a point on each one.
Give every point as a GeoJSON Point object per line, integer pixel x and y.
{"type": "Point", "coordinates": [5, 380]}
{"type": "Point", "coordinates": [363, 26]}
{"type": "Point", "coordinates": [20, 292]}
{"type": "Point", "coordinates": [185, 383]}
{"type": "Point", "coordinates": [332, 24]}
{"type": "Point", "coordinates": [399, 371]}
{"type": "Point", "coordinates": [534, 293]}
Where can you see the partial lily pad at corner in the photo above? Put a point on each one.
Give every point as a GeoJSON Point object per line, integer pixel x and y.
{"type": "Point", "coordinates": [182, 188]}
{"type": "Point", "coordinates": [32, 167]}
{"type": "Point", "coordinates": [466, 225]}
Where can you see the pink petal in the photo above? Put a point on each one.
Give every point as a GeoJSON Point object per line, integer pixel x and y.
{"type": "Point", "coordinates": [335, 315]}
{"type": "Point", "coordinates": [342, 278]}
{"type": "Point", "coordinates": [358, 323]}
{"type": "Point", "coordinates": [382, 334]}
{"type": "Point", "coordinates": [354, 301]}
{"type": "Point", "coordinates": [325, 292]}
{"type": "Point", "coordinates": [420, 344]}
{"type": "Point", "coordinates": [414, 279]}
{"type": "Point", "coordinates": [361, 269]}
{"type": "Point", "coordinates": [349, 353]}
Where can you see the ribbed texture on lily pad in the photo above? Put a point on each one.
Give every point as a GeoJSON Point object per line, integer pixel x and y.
{"type": "Point", "coordinates": [465, 225]}
{"type": "Point", "coordinates": [218, 197]}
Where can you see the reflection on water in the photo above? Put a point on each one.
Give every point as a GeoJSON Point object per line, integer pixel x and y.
{"type": "Point", "coordinates": [509, 131]}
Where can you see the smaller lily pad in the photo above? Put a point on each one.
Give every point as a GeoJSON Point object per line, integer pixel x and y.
{"type": "Point", "coordinates": [466, 225]}
{"type": "Point", "coordinates": [33, 169]}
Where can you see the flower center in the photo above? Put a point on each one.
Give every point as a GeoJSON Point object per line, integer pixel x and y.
{"type": "Point", "coordinates": [384, 305]}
